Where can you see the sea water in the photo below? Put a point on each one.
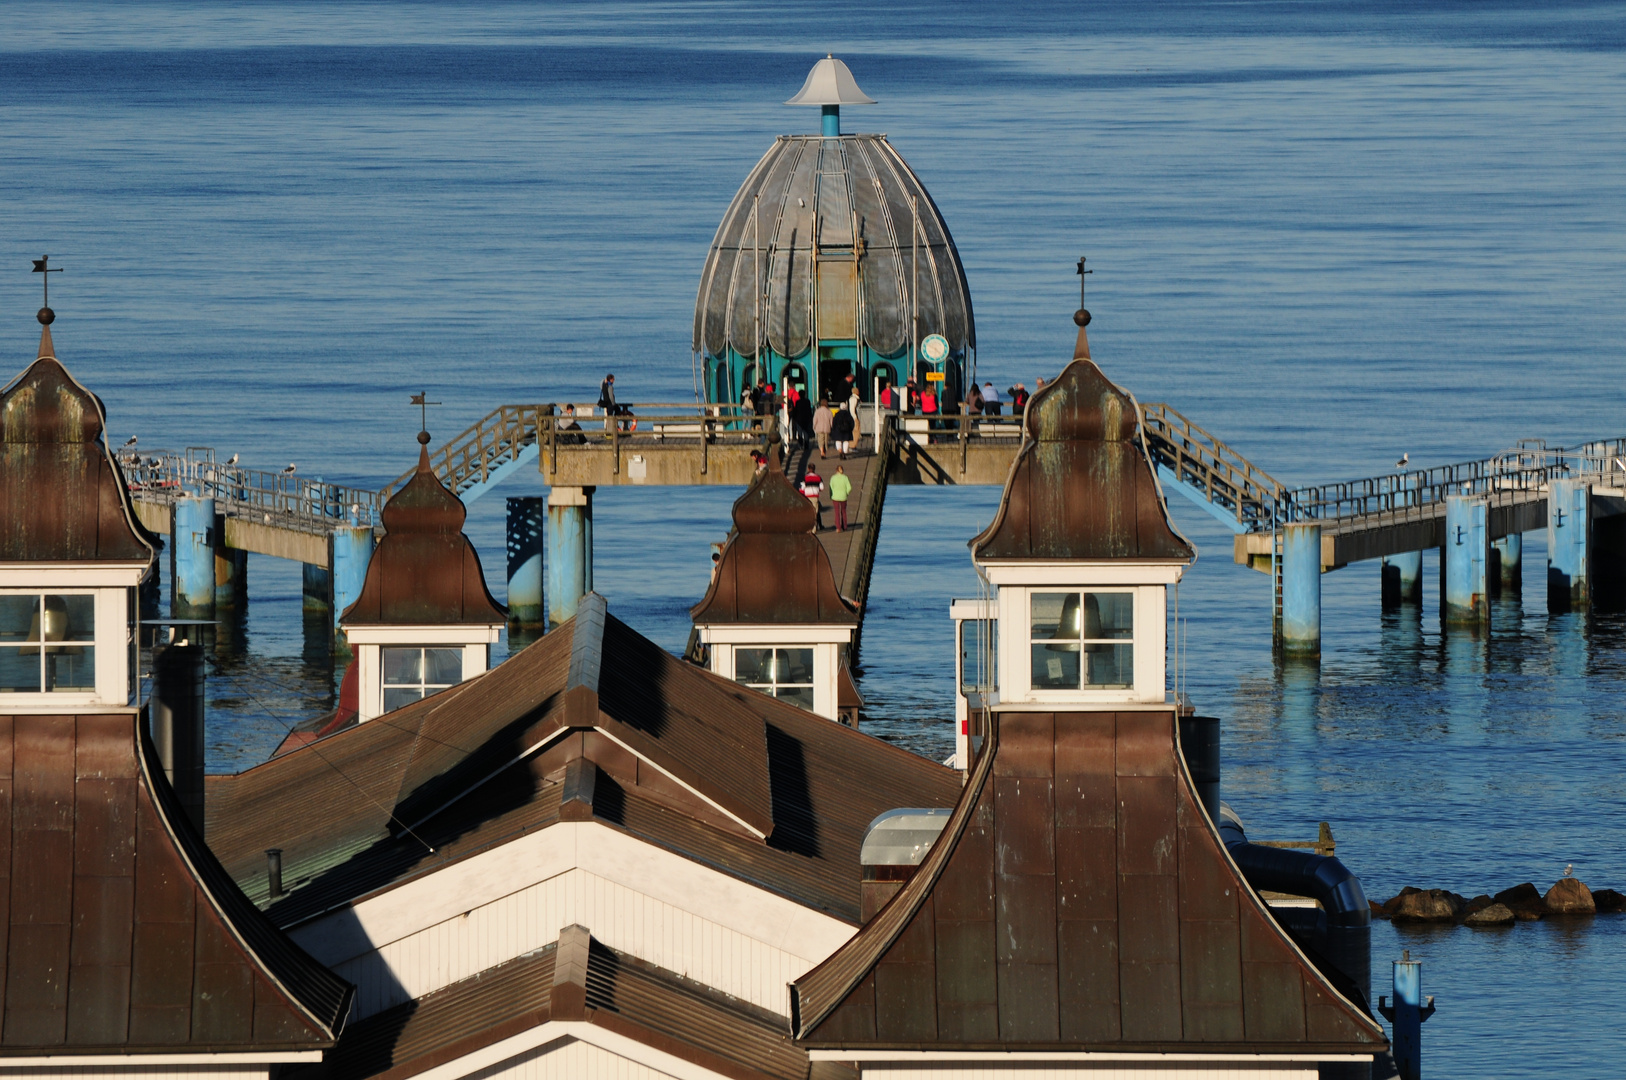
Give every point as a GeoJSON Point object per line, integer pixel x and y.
{"type": "Point", "coordinates": [1329, 233]}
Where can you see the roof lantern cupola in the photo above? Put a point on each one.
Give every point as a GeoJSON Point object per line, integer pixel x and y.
{"type": "Point", "coordinates": [832, 269]}
{"type": "Point", "coordinates": [1082, 550]}
{"type": "Point", "coordinates": [773, 617]}
{"type": "Point", "coordinates": [425, 620]}
{"type": "Point", "coordinates": [72, 551]}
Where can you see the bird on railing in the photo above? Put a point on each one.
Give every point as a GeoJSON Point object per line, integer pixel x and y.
{"type": "Point", "coordinates": [289, 471]}
{"type": "Point", "coordinates": [1404, 458]}
{"type": "Point", "coordinates": [232, 460]}
{"type": "Point", "coordinates": [131, 441]}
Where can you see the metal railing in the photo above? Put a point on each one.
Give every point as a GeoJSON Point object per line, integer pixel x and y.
{"type": "Point", "coordinates": [1201, 461]}
{"type": "Point", "coordinates": [304, 504]}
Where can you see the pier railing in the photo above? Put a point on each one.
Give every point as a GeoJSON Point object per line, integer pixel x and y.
{"type": "Point", "coordinates": [1199, 460]}
{"type": "Point", "coordinates": [301, 503]}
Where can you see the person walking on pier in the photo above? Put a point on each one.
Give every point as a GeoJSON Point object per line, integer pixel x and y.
{"type": "Point", "coordinates": [840, 488]}
{"type": "Point", "coordinates": [813, 487]}
{"type": "Point", "coordinates": [822, 422]}
{"type": "Point", "coordinates": [801, 419]}
{"type": "Point", "coordinates": [841, 430]}
{"type": "Point", "coordinates": [606, 401]}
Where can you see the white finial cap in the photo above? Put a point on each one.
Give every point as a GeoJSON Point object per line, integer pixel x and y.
{"type": "Point", "coordinates": [830, 83]}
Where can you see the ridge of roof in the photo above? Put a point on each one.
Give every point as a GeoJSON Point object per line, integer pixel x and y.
{"type": "Point", "coordinates": [1086, 821]}
{"type": "Point", "coordinates": [587, 644]}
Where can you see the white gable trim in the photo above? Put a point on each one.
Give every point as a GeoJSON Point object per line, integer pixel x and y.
{"type": "Point", "coordinates": [1012, 1056]}
{"type": "Point", "coordinates": [685, 785]}
{"type": "Point", "coordinates": [247, 1059]}
{"type": "Point", "coordinates": [553, 1032]}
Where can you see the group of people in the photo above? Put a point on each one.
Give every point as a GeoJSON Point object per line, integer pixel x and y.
{"type": "Point", "coordinates": [841, 489]}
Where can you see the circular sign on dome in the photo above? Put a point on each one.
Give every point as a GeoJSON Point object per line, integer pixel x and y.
{"type": "Point", "coordinates": [934, 348]}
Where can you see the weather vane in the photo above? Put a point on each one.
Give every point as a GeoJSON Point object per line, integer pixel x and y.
{"type": "Point", "coordinates": [1082, 316]}
{"type": "Point", "coordinates": [45, 272]}
{"type": "Point", "coordinates": [422, 401]}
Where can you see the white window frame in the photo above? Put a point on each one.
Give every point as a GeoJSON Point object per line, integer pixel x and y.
{"type": "Point", "coordinates": [112, 634]}
{"type": "Point", "coordinates": [1015, 670]}
{"type": "Point", "coordinates": [812, 683]}
{"type": "Point", "coordinates": [428, 689]}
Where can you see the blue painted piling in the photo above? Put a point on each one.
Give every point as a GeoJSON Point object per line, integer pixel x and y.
{"type": "Point", "coordinates": [193, 552]}
{"type": "Point", "coordinates": [1507, 554]}
{"type": "Point", "coordinates": [1403, 579]}
{"type": "Point", "coordinates": [317, 589]}
{"type": "Point", "coordinates": [1301, 590]}
{"type": "Point", "coordinates": [1406, 1015]}
{"type": "Point", "coordinates": [1466, 557]}
{"type": "Point", "coordinates": [1569, 530]}
{"type": "Point", "coordinates": [351, 551]}
{"type": "Point", "coordinates": [832, 121]}
{"type": "Point", "coordinates": [569, 559]}
{"type": "Point", "coordinates": [526, 516]}
{"type": "Point", "coordinates": [231, 577]}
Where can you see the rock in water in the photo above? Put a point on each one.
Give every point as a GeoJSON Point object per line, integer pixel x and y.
{"type": "Point", "coordinates": [1427, 905]}
{"type": "Point", "coordinates": [1479, 903]}
{"type": "Point", "coordinates": [1392, 905]}
{"type": "Point", "coordinates": [1570, 896]}
{"type": "Point", "coordinates": [1494, 915]}
{"type": "Point", "coordinates": [1609, 901]}
{"type": "Point", "coordinates": [1523, 900]}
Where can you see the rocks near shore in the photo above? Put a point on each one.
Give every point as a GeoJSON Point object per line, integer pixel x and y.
{"type": "Point", "coordinates": [1522, 903]}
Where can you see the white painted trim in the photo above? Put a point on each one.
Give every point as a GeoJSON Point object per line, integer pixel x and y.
{"type": "Point", "coordinates": [461, 634]}
{"type": "Point", "coordinates": [685, 785]}
{"type": "Point", "coordinates": [553, 1031]}
{"type": "Point", "coordinates": [998, 1057]}
{"type": "Point", "coordinates": [44, 575]}
{"type": "Point", "coordinates": [1084, 574]}
{"type": "Point", "coordinates": [419, 903]}
{"type": "Point", "coordinates": [779, 634]}
{"type": "Point", "coordinates": [267, 1057]}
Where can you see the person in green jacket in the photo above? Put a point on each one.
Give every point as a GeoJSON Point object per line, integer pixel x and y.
{"type": "Point", "coordinates": [840, 488]}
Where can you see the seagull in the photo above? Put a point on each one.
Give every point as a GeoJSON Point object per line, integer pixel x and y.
{"type": "Point", "coordinates": [232, 460]}
{"type": "Point", "coordinates": [131, 441]}
{"type": "Point", "coordinates": [1401, 464]}
{"type": "Point", "coordinates": [1569, 869]}
{"type": "Point", "coordinates": [289, 471]}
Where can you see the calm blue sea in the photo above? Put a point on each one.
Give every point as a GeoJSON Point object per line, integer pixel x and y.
{"type": "Point", "coordinates": [1330, 233]}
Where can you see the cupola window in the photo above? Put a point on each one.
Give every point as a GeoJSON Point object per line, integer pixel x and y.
{"type": "Point", "coordinates": [786, 674]}
{"type": "Point", "coordinates": [47, 643]}
{"type": "Point", "coordinates": [1083, 640]}
{"type": "Point", "coordinates": [411, 674]}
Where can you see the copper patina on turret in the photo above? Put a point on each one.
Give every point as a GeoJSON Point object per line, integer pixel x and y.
{"type": "Point", "coordinates": [425, 571]}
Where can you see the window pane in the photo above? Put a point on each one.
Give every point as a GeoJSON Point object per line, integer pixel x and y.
{"type": "Point", "coordinates": [796, 666]}
{"type": "Point", "coordinates": [1055, 666]}
{"type": "Point", "coordinates": [19, 674]}
{"type": "Point", "coordinates": [19, 617]}
{"type": "Point", "coordinates": [70, 618]}
{"type": "Point", "coordinates": [1109, 615]}
{"type": "Point", "coordinates": [444, 667]}
{"type": "Point", "coordinates": [69, 668]}
{"type": "Point", "coordinates": [1055, 616]}
{"type": "Point", "coordinates": [402, 667]}
{"type": "Point", "coordinates": [1110, 665]}
{"type": "Point", "coordinates": [796, 695]}
{"type": "Point", "coordinates": [397, 697]}
{"type": "Point", "coordinates": [751, 665]}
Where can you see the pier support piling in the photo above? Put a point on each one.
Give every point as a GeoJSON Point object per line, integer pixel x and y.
{"type": "Point", "coordinates": [1300, 623]}
{"type": "Point", "coordinates": [526, 516]}
{"type": "Point", "coordinates": [1403, 579]}
{"type": "Point", "coordinates": [569, 559]}
{"type": "Point", "coordinates": [1466, 561]}
{"type": "Point", "coordinates": [1506, 573]}
{"type": "Point", "coordinates": [231, 575]}
{"type": "Point", "coordinates": [350, 552]}
{"type": "Point", "coordinates": [192, 550]}
{"type": "Point", "coordinates": [317, 589]}
{"type": "Point", "coordinates": [1569, 528]}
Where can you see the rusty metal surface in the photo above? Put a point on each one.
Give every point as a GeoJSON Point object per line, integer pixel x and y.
{"type": "Point", "coordinates": [856, 182]}
{"type": "Point", "coordinates": [424, 571]}
{"type": "Point", "coordinates": [773, 569]}
{"type": "Point", "coordinates": [1083, 486]}
{"type": "Point", "coordinates": [124, 934]}
{"type": "Point", "coordinates": [62, 496]}
{"type": "Point", "coordinates": [1078, 899]}
{"type": "Point", "coordinates": [477, 766]}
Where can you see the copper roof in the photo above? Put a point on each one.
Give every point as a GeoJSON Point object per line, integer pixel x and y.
{"type": "Point", "coordinates": [62, 496]}
{"type": "Point", "coordinates": [1082, 486]}
{"type": "Point", "coordinates": [424, 571]}
{"type": "Point", "coordinates": [1078, 899]}
{"type": "Point", "coordinates": [671, 753]}
{"type": "Point", "coordinates": [773, 569]}
{"type": "Point", "coordinates": [581, 979]}
{"type": "Point", "coordinates": [126, 935]}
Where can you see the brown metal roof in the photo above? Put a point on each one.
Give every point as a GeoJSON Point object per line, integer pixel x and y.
{"type": "Point", "coordinates": [774, 570]}
{"type": "Point", "coordinates": [123, 933]}
{"type": "Point", "coordinates": [577, 979]}
{"type": "Point", "coordinates": [62, 496]}
{"type": "Point", "coordinates": [1078, 899]}
{"type": "Point", "coordinates": [424, 571]}
{"type": "Point", "coordinates": [1083, 486]}
{"type": "Point", "coordinates": [690, 761]}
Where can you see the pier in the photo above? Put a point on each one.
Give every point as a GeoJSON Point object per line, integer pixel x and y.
{"type": "Point", "coordinates": [1474, 512]}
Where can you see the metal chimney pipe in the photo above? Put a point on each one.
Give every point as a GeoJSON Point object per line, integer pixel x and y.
{"type": "Point", "coordinates": [176, 709]}
{"type": "Point", "coordinates": [273, 870]}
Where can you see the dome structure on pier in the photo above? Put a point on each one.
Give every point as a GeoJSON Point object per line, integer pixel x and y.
{"type": "Point", "coordinates": [832, 260]}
